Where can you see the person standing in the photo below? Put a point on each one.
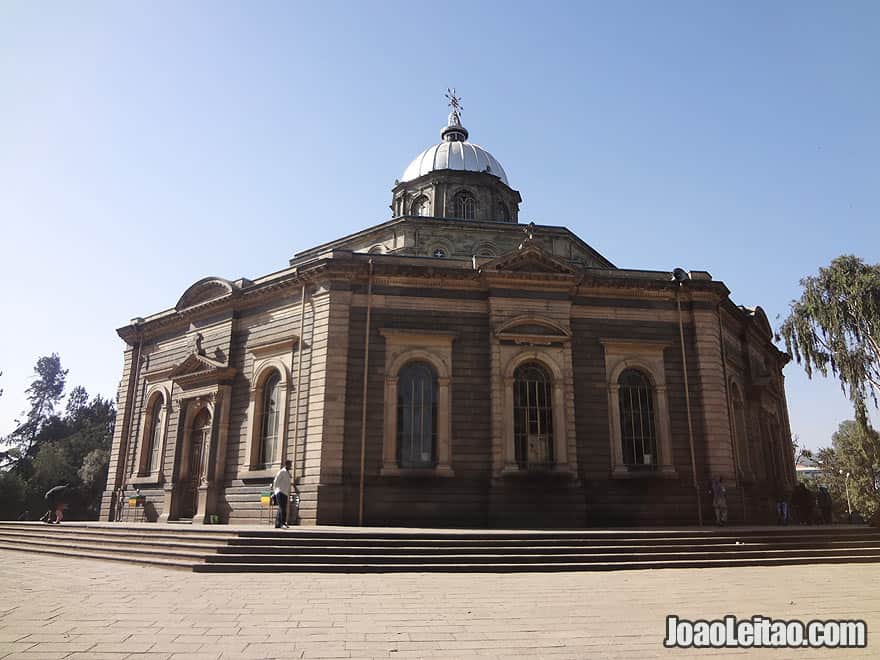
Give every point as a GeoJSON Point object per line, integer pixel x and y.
{"type": "Point", "coordinates": [281, 488]}
{"type": "Point", "coordinates": [719, 501]}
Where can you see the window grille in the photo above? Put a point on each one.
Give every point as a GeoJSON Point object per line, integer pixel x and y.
{"type": "Point", "coordinates": [533, 416]}
{"type": "Point", "coordinates": [417, 415]}
{"type": "Point", "coordinates": [155, 435]}
{"type": "Point", "coordinates": [637, 431]}
{"type": "Point", "coordinates": [270, 420]}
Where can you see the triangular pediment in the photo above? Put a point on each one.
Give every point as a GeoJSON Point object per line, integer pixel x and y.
{"type": "Point", "coordinates": [198, 369]}
{"type": "Point", "coordinates": [529, 258]}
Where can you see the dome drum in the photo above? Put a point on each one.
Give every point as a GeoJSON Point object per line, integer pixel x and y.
{"type": "Point", "coordinates": [458, 196]}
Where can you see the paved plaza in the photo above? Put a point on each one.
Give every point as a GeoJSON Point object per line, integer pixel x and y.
{"type": "Point", "coordinates": [53, 607]}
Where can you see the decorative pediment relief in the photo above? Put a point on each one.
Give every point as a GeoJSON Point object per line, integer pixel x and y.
{"type": "Point", "coordinates": [529, 258]}
{"type": "Point", "coordinates": [533, 330]}
{"type": "Point", "coordinates": [201, 370]}
{"type": "Point", "coordinates": [203, 291]}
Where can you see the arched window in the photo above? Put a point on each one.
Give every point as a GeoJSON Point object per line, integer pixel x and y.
{"type": "Point", "coordinates": [465, 206]}
{"type": "Point", "coordinates": [637, 431]}
{"type": "Point", "coordinates": [502, 212]}
{"type": "Point", "coordinates": [270, 420]}
{"type": "Point", "coordinates": [739, 427]}
{"type": "Point", "coordinates": [416, 415]}
{"type": "Point", "coordinates": [486, 250]}
{"type": "Point", "coordinates": [420, 206]}
{"type": "Point", "coordinates": [157, 424]}
{"type": "Point", "coordinates": [533, 416]}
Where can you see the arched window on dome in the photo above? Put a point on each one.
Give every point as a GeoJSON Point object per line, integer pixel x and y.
{"type": "Point", "coordinates": [637, 428]}
{"type": "Point", "coordinates": [465, 206]}
{"type": "Point", "coordinates": [502, 212]}
{"type": "Point", "coordinates": [421, 206]}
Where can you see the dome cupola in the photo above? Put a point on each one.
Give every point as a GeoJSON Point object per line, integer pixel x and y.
{"type": "Point", "coordinates": [456, 179]}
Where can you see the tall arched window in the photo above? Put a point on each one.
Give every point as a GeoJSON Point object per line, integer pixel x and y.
{"type": "Point", "coordinates": [502, 212]}
{"type": "Point", "coordinates": [533, 416]}
{"type": "Point", "coordinates": [637, 431]}
{"type": "Point", "coordinates": [417, 415]}
{"type": "Point", "coordinates": [420, 206]}
{"type": "Point", "coordinates": [739, 427]}
{"type": "Point", "coordinates": [465, 206]}
{"type": "Point", "coordinates": [270, 420]}
{"type": "Point", "coordinates": [157, 424]}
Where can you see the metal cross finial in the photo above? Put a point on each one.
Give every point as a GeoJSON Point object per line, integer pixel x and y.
{"type": "Point", "coordinates": [454, 101]}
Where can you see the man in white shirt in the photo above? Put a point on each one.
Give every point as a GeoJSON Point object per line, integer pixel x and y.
{"type": "Point", "coordinates": [281, 488]}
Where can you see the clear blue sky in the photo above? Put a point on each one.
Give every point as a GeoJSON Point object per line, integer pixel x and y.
{"type": "Point", "coordinates": [146, 145]}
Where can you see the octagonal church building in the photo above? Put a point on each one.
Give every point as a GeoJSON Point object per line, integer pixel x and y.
{"type": "Point", "coordinates": [454, 367]}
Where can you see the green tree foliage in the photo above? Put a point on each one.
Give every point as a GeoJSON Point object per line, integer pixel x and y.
{"type": "Point", "coordinates": [836, 326]}
{"type": "Point", "coordinates": [73, 448]}
{"type": "Point", "coordinates": [43, 394]}
{"type": "Point", "coordinates": [855, 451]}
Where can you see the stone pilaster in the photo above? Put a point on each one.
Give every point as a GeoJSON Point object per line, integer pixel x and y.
{"type": "Point", "coordinates": [324, 437]}
{"type": "Point", "coordinates": [124, 411]}
{"type": "Point", "coordinates": [716, 440]}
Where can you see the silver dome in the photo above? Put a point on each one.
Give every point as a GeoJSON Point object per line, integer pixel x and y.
{"type": "Point", "coordinates": [454, 155]}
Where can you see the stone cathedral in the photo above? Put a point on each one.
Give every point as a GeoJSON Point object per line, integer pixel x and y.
{"type": "Point", "coordinates": [454, 367]}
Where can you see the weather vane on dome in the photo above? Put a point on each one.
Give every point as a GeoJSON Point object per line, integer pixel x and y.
{"type": "Point", "coordinates": [454, 101]}
{"type": "Point", "coordinates": [454, 131]}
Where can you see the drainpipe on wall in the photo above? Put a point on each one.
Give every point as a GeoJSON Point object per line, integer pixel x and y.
{"type": "Point", "coordinates": [299, 365]}
{"type": "Point", "coordinates": [687, 398]}
{"type": "Point", "coordinates": [364, 394]}
{"type": "Point", "coordinates": [730, 422]}
{"type": "Point", "coordinates": [298, 346]}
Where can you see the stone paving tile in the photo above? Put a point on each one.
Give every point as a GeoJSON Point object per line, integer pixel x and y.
{"type": "Point", "coordinates": [113, 610]}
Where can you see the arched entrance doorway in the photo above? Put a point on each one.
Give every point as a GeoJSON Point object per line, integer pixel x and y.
{"type": "Point", "coordinates": [199, 435]}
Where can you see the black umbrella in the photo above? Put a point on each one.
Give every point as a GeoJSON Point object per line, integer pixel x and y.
{"type": "Point", "coordinates": [56, 491]}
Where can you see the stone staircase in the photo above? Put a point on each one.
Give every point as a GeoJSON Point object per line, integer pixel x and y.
{"type": "Point", "coordinates": [318, 549]}
{"type": "Point", "coordinates": [171, 546]}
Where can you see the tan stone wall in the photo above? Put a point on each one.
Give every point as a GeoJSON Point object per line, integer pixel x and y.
{"type": "Point", "coordinates": [330, 357]}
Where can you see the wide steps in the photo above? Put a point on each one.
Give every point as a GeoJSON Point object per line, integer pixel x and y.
{"type": "Point", "coordinates": [218, 549]}
{"type": "Point", "coordinates": [156, 560]}
{"type": "Point", "coordinates": [521, 567]}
